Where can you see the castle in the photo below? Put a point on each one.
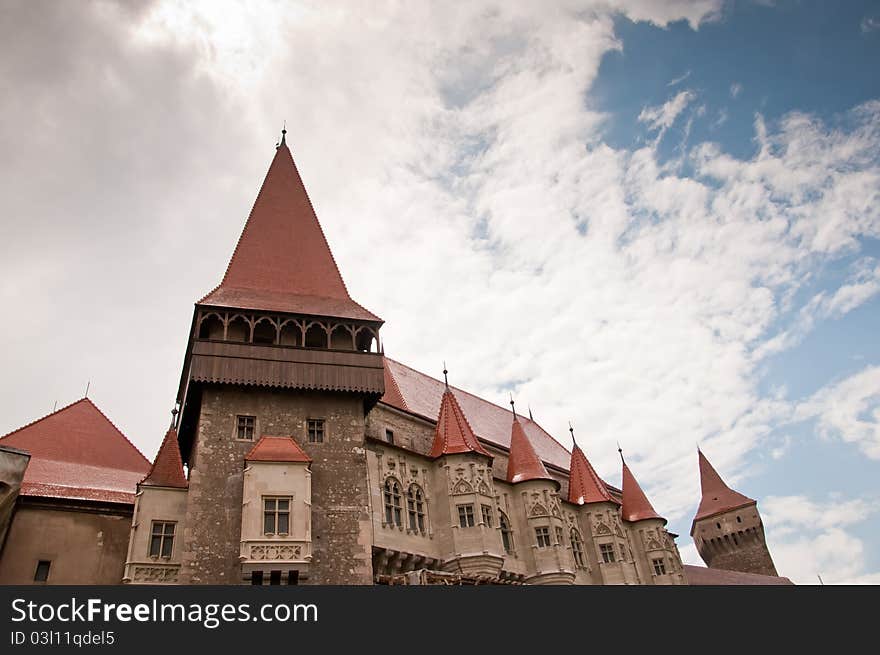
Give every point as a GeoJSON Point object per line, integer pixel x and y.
{"type": "Point", "coordinates": [300, 454]}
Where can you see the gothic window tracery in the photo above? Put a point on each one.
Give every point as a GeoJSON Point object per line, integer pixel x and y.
{"type": "Point", "coordinates": [393, 513]}
{"type": "Point", "coordinates": [415, 506]}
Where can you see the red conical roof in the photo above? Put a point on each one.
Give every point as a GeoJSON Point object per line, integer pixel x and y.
{"type": "Point", "coordinates": [453, 433]}
{"type": "Point", "coordinates": [282, 261]}
{"type": "Point", "coordinates": [167, 469]}
{"type": "Point", "coordinates": [636, 506]}
{"type": "Point", "coordinates": [717, 496]}
{"type": "Point", "coordinates": [277, 449]}
{"type": "Point", "coordinates": [523, 463]}
{"type": "Point", "coordinates": [584, 486]}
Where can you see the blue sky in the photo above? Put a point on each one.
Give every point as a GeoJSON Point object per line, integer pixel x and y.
{"type": "Point", "coordinates": [657, 220]}
{"type": "Point", "coordinates": [814, 57]}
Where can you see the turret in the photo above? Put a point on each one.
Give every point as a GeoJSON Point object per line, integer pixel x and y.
{"type": "Point", "coordinates": [475, 544]}
{"type": "Point", "coordinates": [727, 528]}
{"type": "Point", "coordinates": [656, 556]}
{"type": "Point", "coordinates": [546, 527]}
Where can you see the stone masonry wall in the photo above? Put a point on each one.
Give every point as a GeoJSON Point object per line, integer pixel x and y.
{"type": "Point", "coordinates": [340, 502]}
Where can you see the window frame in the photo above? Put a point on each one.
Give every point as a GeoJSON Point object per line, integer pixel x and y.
{"type": "Point", "coordinates": [506, 533]}
{"type": "Point", "coordinates": [415, 509]}
{"type": "Point", "coordinates": [389, 436]}
{"type": "Point", "coordinates": [608, 553]}
{"type": "Point", "coordinates": [320, 430]}
{"type": "Point", "coordinates": [276, 512]}
{"type": "Point", "coordinates": [164, 536]}
{"type": "Point", "coordinates": [239, 427]}
{"type": "Point", "coordinates": [542, 536]}
{"type": "Point", "coordinates": [466, 516]}
{"type": "Point", "coordinates": [486, 515]}
{"type": "Point", "coordinates": [577, 549]}
{"type": "Point", "coordinates": [659, 565]}
{"type": "Point", "coordinates": [38, 569]}
{"type": "Point", "coordinates": [391, 496]}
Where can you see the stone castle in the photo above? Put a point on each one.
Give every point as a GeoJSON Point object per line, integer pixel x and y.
{"type": "Point", "coordinates": [300, 454]}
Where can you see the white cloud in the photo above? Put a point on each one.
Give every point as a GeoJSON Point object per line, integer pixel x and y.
{"type": "Point", "coordinates": [735, 89]}
{"type": "Point", "coordinates": [468, 195]}
{"type": "Point", "coordinates": [848, 410]}
{"type": "Point", "coordinates": [870, 24]}
{"type": "Point", "coordinates": [808, 539]}
{"type": "Point", "coordinates": [678, 80]}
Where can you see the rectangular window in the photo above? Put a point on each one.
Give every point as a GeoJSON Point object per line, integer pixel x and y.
{"type": "Point", "coordinates": [487, 515]}
{"type": "Point", "coordinates": [246, 427]}
{"type": "Point", "coordinates": [276, 515]}
{"type": "Point", "coordinates": [607, 551]}
{"type": "Point", "coordinates": [659, 566]}
{"type": "Point", "coordinates": [275, 577]}
{"type": "Point", "coordinates": [542, 536]}
{"type": "Point", "coordinates": [256, 577]}
{"type": "Point", "coordinates": [389, 436]}
{"type": "Point", "coordinates": [466, 516]}
{"type": "Point", "coordinates": [162, 539]}
{"type": "Point", "coordinates": [293, 577]}
{"type": "Point", "coordinates": [559, 538]}
{"type": "Point", "coordinates": [42, 572]}
{"type": "Point", "coordinates": [316, 430]}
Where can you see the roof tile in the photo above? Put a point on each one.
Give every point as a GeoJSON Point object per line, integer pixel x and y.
{"type": "Point", "coordinates": [277, 449]}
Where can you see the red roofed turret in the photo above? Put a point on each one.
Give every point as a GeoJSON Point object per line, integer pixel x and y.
{"type": "Point", "coordinates": [717, 496]}
{"type": "Point", "coordinates": [453, 433]}
{"type": "Point", "coordinates": [584, 485]}
{"type": "Point", "coordinates": [282, 261]}
{"type": "Point", "coordinates": [167, 469]}
{"type": "Point", "coordinates": [523, 463]}
{"type": "Point", "coordinates": [636, 506]}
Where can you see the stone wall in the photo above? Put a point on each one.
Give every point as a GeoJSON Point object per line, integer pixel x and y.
{"type": "Point", "coordinates": [341, 535]}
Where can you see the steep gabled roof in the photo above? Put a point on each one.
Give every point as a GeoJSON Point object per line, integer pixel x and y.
{"type": "Point", "coordinates": [282, 261]}
{"type": "Point", "coordinates": [523, 462]}
{"type": "Point", "coordinates": [453, 433]}
{"type": "Point", "coordinates": [584, 485]}
{"type": "Point", "coordinates": [420, 394]}
{"type": "Point", "coordinates": [717, 496]}
{"type": "Point", "coordinates": [636, 506]}
{"type": "Point", "coordinates": [76, 452]}
{"type": "Point", "coordinates": [167, 469]}
{"type": "Point", "coordinates": [277, 449]}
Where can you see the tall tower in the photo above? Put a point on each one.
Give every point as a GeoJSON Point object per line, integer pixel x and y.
{"type": "Point", "coordinates": [727, 529]}
{"type": "Point", "coordinates": [278, 348]}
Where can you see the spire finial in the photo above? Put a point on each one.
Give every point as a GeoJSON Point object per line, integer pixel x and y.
{"type": "Point", "coordinates": [531, 418]}
{"type": "Point", "coordinates": [445, 375]}
{"type": "Point", "coordinates": [512, 407]}
{"type": "Point", "coordinates": [283, 141]}
{"type": "Point", "coordinates": [620, 450]}
{"type": "Point", "coordinates": [571, 429]}
{"type": "Point", "coordinates": [174, 411]}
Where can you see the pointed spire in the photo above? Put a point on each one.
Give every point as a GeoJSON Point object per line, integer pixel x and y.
{"type": "Point", "coordinates": [584, 485]}
{"type": "Point", "coordinates": [717, 496]}
{"type": "Point", "coordinates": [167, 469]}
{"type": "Point", "coordinates": [453, 433]}
{"type": "Point", "coordinates": [636, 506]}
{"type": "Point", "coordinates": [523, 462]}
{"type": "Point", "coordinates": [283, 142]}
{"type": "Point", "coordinates": [282, 261]}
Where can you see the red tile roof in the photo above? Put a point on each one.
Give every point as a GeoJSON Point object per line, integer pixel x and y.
{"type": "Point", "coordinates": [453, 433]}
{"type": "Point", "coordinates": [584, 485]}
{"type": "Point", "coordinates": [420, 394]}
{"type": "Point", "coordinates": [167, 469]}
{"type": "Point", "coordinates": [282, 261]}
{"type": "Point", "coordinates": [636, 506]}
{"type": "Point", "coordinates": [523, 463]}
{"type": "Point", "coordinates": [700, 575]}
{"type": "Point", "coordinates": [277, 449]}
{"type": "Point", "coordinates": [717, 496]}
{"type": "Point", "coordinates": [76, 452]}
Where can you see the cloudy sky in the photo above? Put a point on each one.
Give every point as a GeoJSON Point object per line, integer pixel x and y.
{"type": "Point", "coordinates": [660, 221]}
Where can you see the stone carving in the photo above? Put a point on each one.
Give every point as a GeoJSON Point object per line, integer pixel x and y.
{"type": "Point", "coordinates": [156, 574]}
{"type": "Point", "coordinates": [276, 552]}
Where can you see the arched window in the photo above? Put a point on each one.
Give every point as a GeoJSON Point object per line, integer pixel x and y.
{"type": "Point", "coordinates": [577, 549]}
{"type": "Point", "coordinates": [392, 503]}
{"type": "Point", "coordinates": [415, 508]}
{"type": "Point", "coordinates": [506, 532]}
